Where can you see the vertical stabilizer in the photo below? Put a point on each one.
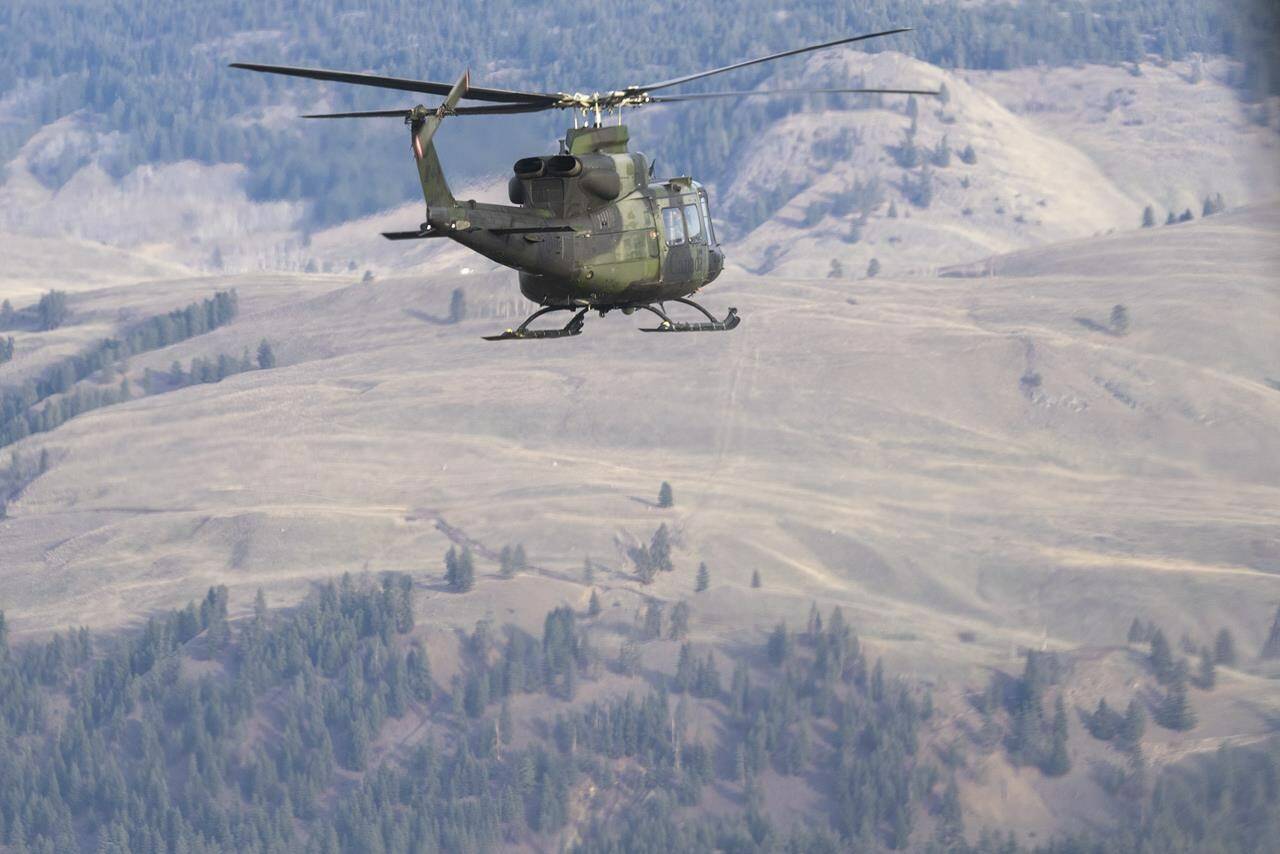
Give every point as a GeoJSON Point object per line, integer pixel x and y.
{"type": "Point", "coordinates": [424, 124]}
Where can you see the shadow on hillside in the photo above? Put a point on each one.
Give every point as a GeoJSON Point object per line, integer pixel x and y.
{"type": "Point", "coordinates": [1095, 326]}
{"type": "Point", "coordinates": [428, 318]}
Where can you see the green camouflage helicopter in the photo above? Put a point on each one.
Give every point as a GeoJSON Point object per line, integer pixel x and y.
{"type": "Point", "coordinates": [589, 228]}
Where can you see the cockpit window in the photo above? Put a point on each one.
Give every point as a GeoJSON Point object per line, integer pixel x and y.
{"type": "Point", "coordinates": [673, 226]}
{"type": "Point", "coordinates": [693, 222]}
{"type": "Point", "coordinates": [706, 217]}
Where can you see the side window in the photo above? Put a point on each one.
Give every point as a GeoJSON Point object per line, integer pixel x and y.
{"type": "Point", "coordinates": [694, 223]}
{"type": "Point", "coordinates": [673, 226]}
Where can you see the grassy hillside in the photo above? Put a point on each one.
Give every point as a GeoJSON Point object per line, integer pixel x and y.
{"type": "Point", "coordinates": [970, 466]}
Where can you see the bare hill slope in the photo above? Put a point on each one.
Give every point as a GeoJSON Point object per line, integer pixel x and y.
{"type": "Point", "coordinates": [937, 454]}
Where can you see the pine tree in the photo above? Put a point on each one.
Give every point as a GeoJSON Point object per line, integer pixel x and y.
{"type": "Point", "coordinates": [755, 579]}
{"type": "Point", "coordinates": [593, 607]}
{"type": "Point", "coordinates": [813, 629]}
{"type": "Point", "coordinates": [703, 580]}
{"type": "Point", "coordinates": [1208, 676]}
{"type": "Point", "coordinates": [665, 497]}
{"type": "Point", "coordinates": [1175, 710]}
{"type": "Point", "coordinates": [588, 571]}
{"type": "Point", "coordinates": [679, 628]}
{"type": "Point", "coordinates": [779, 645]}
{"type": "Point", "coordinates": [1224, 648]}
{"type": "Point", "coordinates": [873, 268]}
{"type": "Point", "coordinates": [506, 563]}
{"type": "Point", "coordinates": [1271, 649]}
{"type": "Point", "coordinates": [1132, 726]}
{"type": "Point", "coordinates": [1161, 657]}
{"type": "Point", "coordinates": [660, 549]}
{"type": "Point", "coordinates": [653, 620]}
{"type": "Point", "coordinates": [459, 570]}
{"type": "Point", "coordinates": [266, 356]}
{"type": "Point", "coordinates": [1058, 762]}
{"type": "Point", "coordinates": [451, 568]}
{"type": "Point", "coordinates": [1104, 723]}
{"type": "Point", "coordinates": [1148, 216]}
{"type": "Point", "coordinates": [519, 559]}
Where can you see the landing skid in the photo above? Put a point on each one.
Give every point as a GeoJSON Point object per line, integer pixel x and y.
{"type": "Point", "coordinates": [731, 320]}
{"type": "Point", "coordinates": [523, 332]}
{"type": "Point", "coordinates": [574, 326]}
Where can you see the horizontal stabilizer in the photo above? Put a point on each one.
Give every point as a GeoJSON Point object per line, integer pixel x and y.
{"type": "Point", "coordinates": [411, 235]}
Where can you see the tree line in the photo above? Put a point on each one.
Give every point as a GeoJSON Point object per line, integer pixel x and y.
{"type": "Point", "coordinates": [21, 414]}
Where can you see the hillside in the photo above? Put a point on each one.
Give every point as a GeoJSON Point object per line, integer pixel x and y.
{"type": "Point", "coordinates": [968, 465]}
{"type": "Point", "coordinates": [1056, 155]}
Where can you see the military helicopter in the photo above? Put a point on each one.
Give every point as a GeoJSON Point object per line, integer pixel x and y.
{"type": "Point", "coordinates": [588, 228]}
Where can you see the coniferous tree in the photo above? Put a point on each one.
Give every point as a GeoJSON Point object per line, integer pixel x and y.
{"type": "Point", "coordinates": [1162, 663]}
{"type": "Point", "coordinates": [459, 570]}
{"type": "Point", "coordinates": [1148, 216]}
{"type": "Point", "coordinates": [1104, 723]}
{"type": "Point", "coordinates": [1132, 726]}
{"type": "Point", "coordinates": [679, 628]}
{"type": "Point", "coordinates": [873, 268]}
{"type": "Point", "coordinates": [1208, 676]}
{"type": "Point", "coordinates": [779, 645]}
{"type": "Point", "coordinates": [1224, 648]}
{"type": "Point", "coordinates": [665, 496]}
{"type": "Point", "coordinates": [703, 580]}
{"type": "Point", "coordinates": [588, 571]}
{"type": "Point", "coordinates": [418, 672]}
{"type": "Point", "coordinates": [593, 607]}
{"type": "Point", "coordinates": [653, 620]}
{"type": "Point", "coordinates": [1175, 710]}
{"type": "Point", "coordinates": [755, 579]}
{"type": "Point", "coordinates": [1271, 649]}
{"type": "Point", "coordinates": [1058, 762]}
{"type": "Point", "coordinates": [266, 356]}
{"type": "Point", "coordinates": [660, 549]}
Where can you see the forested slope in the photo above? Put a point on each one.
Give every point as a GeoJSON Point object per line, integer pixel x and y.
{"type": "Point", "coordinates": [152, 74]}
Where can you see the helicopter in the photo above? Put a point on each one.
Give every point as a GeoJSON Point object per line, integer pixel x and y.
{"type": "Point", "coordinates": [589, 228]}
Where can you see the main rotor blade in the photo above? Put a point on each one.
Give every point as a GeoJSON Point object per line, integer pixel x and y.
{"type": "Point", "coordinates": [505, 96]}
{"type": "Point", "coordinates": [494, 110]}
{"type": "Point", "coordinates": [363, 114]}
{"type": "Point", "coordinates": [652, 87]}
{"type": "Point", "coordinates": [692, 96]}
{"type": "Point", "coordinates": [505, 109]}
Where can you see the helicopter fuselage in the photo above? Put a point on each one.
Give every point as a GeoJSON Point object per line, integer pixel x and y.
{"type": "Point", "coordinates": [588, 227]}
